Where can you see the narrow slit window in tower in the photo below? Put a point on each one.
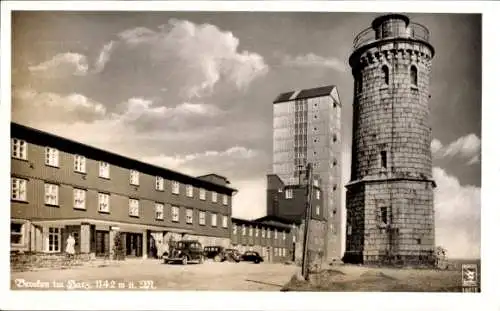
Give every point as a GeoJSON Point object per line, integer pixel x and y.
{"type": "Point", "coordinates": [383, 158]}
{"type": "Point", "coordinates": [383, 215]}
{"type": "Point", "coordinates": [414, 75]}
{"type": "Point", "coordinates": [385, 70]}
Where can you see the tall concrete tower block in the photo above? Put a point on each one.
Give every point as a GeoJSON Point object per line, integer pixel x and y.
{"type": "Point", "coordinates": [306, 129]}
{"type": "Point", "coordinates": [390, 197]}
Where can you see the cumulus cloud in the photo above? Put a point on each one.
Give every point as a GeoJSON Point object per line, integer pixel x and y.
{"type": "Point", "coordinates": [62, 64]}
{"type": "Point", "coordinates": [458, 216]}
{"type": "Point", "coordinates": [467, 147]}
{"type": "Point", "coordinates": [313, 60]}
{"type": "Point", "coordinates": [194, 58]}
{"type": "Point", "coordinates": [250, 201]}
{"type": "Point", "coordinates": [204, 162]}
{"type": "Point", "coordinates": [104, 56]}
{"type": "Point", "coordinates": [30, 106]}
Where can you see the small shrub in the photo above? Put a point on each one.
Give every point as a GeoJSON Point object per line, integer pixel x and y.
{"type": "Point", "coordinates": [118, 248]}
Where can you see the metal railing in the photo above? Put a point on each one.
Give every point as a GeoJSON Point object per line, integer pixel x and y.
{"type": "Point", "coordinates": [414, 31]}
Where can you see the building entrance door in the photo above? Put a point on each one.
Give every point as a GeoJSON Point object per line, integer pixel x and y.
{"type": "Point", "coordinates": [102, 243]}
{"type": "Point", "coordinates": [134, 244]}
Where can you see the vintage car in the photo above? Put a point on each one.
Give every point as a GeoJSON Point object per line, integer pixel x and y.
{"type": "Point", "coordinates": [184, 252]}
{"type": "Point", "coordinates": [214, 252]}
{"type": "Point", "coordinates": [231, 255]}
{"type": "Point", "coordinates": [252, 256]}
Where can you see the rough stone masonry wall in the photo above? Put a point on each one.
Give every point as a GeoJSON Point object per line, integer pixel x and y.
{"type": "Point", "coordinates": [355, 225]}
{"type": "Point", "coordinates": [393, 118]}
{"type": "Point", "coordinates": [411, 222]}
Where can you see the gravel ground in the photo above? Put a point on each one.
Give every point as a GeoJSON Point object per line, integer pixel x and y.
{"type": "Point", "coordinates": [152, 274]}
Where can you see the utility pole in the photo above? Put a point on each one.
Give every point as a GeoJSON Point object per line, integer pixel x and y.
{"type": "Point", "coordinates": [305, 253]}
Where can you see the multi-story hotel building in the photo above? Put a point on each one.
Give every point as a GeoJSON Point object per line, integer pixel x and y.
{"type": "Point", "coordinates": [62, 187]}
{"type": "Point", "coordinates": [272, 238]}
{"type": "Point", "coordinates": [306, 129]}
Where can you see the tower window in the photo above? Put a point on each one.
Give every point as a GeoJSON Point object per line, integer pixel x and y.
{"type": "Point", "coordinates": [383, 215]}
{"type": "Point", "coordinates": [383, 158]}
{"type": "Point", "coordinates": [385, 70]}
{"type": "Point", "coordinates": [414, 75]}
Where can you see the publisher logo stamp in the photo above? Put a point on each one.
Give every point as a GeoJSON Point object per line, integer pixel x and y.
{"type": "Point", "coordinates": [469, 275]}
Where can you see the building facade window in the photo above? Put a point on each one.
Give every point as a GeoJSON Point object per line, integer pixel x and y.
{"type": "Point", "coordinates": [133, 207]}
{"type": "Point", "coordinates": [318, 194]}
{"type": "Point", "coordinates": [235, 229]}
{"type": "Point", "coordinates": [79, 198]}
{"type": "Point", "coordinates": [18, 189]}
{"type": "Point", "coordinates": [51, 157]}
{"type": "Point", "coordinates": [224, 221]}
{"type": "Point", "coordinates": [385, 73]}
{"type": "Point", "coordinates": [159, 183]}
{"type": "Point", "coordinates": [189, 191]}
{"type": "Point", "coordinates": [79, 163]}
{"type": "Point", "coordinates": [104, 169]}
{"type": "Point", "coordinates": [202, 194]}
{"type": "Point", "coordinates": [349, 229]}
{"type": "Point", "coordinates": [175, 213]}
{"type": "Point", "coordinates": [243, 230]}
{"type": "Point", "coordinates": [202, 218]}
{"type": "Point", "coordinates": [214, 220]}
{"type": "Point", "coordinates": [284, 235]}
{"type": "Point", "coordinates": [288, 193]}
{"type": "Point", "coordinates": [214, 197]}
{"type": "Point", "coordinates": [414, 75]}
{"type": "Point", "coordinates": [275, 234]}
{"type": "Point", "coordinates": [104, 205]}
{"type": "Point", "coordinates": [134, 177]}
{"type": "Point", "coordinates": [316, 183]}
{"type": "Point", "coordinates": [250, 231]}
{"type": "Point", "coordinates": [16, 233]}
{"type": "Point", "coordinates": [175, 187]}
{"type": "Point", "coordinates": [159, 211]}
{"type": "Point", "coordinates": [19, 149]}
{"type": "Point", "coordinates": [54, 240]}
{"type": "Point", "coordinates": [189, 216]}
{"type": "Point", "coordinates": [268, 233]}
{"type": "Point", "coordinates": [51, 194]}
{"type": "Point", "coordinates": [224, 199]}
{"type": "Point", "coordinates": [317, 210]}
{"type": "Point", "coordinates": [256, 232]}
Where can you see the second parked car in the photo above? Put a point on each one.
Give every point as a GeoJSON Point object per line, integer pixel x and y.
{"type": "Point", "coordinates": [252, 256]}
{"type": "Point", "coordinates": [214, 252]}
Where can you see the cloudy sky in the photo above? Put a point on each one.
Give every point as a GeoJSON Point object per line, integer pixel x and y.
{"type": "Point", "coordinates": [193, 92]}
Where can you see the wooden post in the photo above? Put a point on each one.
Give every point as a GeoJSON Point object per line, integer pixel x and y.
{"type": "Point", "coordinates": [305, 248]}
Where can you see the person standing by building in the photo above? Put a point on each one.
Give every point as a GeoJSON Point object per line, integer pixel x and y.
{"type": "Point", "coordinates": [70, 246]}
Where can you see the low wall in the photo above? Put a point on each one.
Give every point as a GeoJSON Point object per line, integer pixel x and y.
{"type": "Point", "coordinates": [31, 261]}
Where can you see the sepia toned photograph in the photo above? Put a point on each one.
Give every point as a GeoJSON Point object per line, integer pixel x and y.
{"type": "Point", "coordinates": [245, 151]}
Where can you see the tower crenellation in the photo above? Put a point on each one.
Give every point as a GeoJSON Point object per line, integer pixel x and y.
{"type": "Point", "coordinates": [390, 210]}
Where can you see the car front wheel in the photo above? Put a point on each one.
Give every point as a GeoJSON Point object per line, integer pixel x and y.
{"type": "Point", "coordinates": [184, 260]}
{"type": "Point", "coordinates": [217, 258]}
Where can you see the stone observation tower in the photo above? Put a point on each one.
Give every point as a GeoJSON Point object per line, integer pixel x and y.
{"type": "Point", "coordinates": [390, 200]}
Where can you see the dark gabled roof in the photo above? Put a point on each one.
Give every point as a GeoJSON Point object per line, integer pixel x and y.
{"type": "Point", "coordinates": [316, 92]}
{"type": "Point", "coordinates": [276, 220]}
{"type": "Point", "coordinates": [256, 222]}
{"type": "Point", "coordinates": [306, 93]}
{"type": "Point", "coordinates": [47, 139]}
{"type": "Point", "coordinates": [283, 97]}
